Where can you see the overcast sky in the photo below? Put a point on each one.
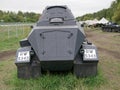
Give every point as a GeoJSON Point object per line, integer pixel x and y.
{"type": "Point", "coordinates": [78, 7]}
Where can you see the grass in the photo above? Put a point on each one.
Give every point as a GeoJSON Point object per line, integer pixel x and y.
{"type": "Point", "coordinates": [67, 81]}
{"type": "Point", "coordinates": [108, 68]}
{"type": "Point", "coordinates": [12, 42]}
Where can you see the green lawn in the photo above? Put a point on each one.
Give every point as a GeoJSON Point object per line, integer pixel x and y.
{"type": "Point", "coordinates": [11, 42]}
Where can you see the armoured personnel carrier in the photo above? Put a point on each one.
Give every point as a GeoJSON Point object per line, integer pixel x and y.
{"type": "Point", "coordinates": [56, 43]}
{"type": "Point", "coordinates": [111, 28]}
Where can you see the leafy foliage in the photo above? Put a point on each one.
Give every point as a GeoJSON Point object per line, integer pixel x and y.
{"type": "Point", "coordinates": [112, 13]}
{"type": "Point", "coordinates": [18, 17]}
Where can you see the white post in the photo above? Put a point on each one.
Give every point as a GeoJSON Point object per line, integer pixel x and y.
{"type": "Point", "coordinates": [23, 29]}
{"type": "Point", "coordinates": [8, 31]}
{"type": "Point", "coordinates": [16, 31]}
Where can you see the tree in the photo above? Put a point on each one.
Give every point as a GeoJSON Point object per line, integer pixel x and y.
{"type": "Point", "coordinates": [116, 16]}
{"type": "Point", "coordinates": [112, 13]}
{"type": "Point", "coordinates": [18, 17]}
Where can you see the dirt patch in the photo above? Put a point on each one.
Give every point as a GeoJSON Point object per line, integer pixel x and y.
{"type": "Point", "coordinates": [111, 53]}
{"type": "Point", "coordinates": [116, 36]}
{"type": "Point", "coordinates": [6, 54]}
{"type": "Point", "coordinates": [89, 35]}
{"type": "Point", "coordinates": [105, 42]}
{"type": "Point", "coordinates": [93, 35]}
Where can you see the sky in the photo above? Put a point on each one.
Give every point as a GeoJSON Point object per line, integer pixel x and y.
{"type": "Point", "coordinates": [78, 7]}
